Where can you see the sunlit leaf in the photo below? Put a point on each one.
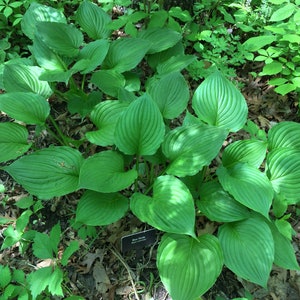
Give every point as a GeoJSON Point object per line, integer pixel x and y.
{"type": "Point", "coordinates": [283, 12]}
{"type": "Point", "coordinates": [104, 172]}
{"type": "Point", "coordinates": [272, 68]}
{"type": "Point", "coordinates": [171, 208]}
{"type": "Point", "coordinates": [248, 249]}
{"type": "Point", "coordinates": [13, 141]}
{"type": "Point", "coordinates": [189, 267]}
{"type": "Point", "coordinates": [140, 129]}
{"type": "Point", "coordinates": [258, 42]}
{"type": "Point", "coordinates": [98, 209]}
{"type": "Point", "coordinates": [48, 172]}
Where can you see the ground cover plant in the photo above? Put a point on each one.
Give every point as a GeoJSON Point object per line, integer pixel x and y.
{"type": "Point", "coordinates": [150, 148]}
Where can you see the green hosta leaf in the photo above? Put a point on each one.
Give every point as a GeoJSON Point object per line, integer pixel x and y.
{"type": "Point", "coordinates": [252, 152]}
{"type": "Point", "coordinates": [91, 56]}
{"type": "Point", "coordinates": [22, 78]}
{"type": "Point", "coordinates": [13, 141]}
{"type": "Point", "coordinates": [98, 209]}
{"type": "Point", "coordinates": [272, 68]}
{"type": "Point", "coordinates": [140, 129]}
{"type": "Point", "coordinates": [283, 12]}
{"type": "Point", "coordinates": [93, 20]}
{"type": "Point", "coordinates": [65, 39]}
{"type": "Point", "coordinates": [247, 185]}
{"type": "Point", "coordinates": [125, 53]}
{"type": "Point", "coordinates": [104, 172]}
{"type": "Point", "coordinates": [284, 135]}
{"type": "Point", "coordinates": [189, 267]}
{"type": "Point", "coordinates": [283, 169]}
{"type": "Point", "coordinates": [29, 108]}
{"type": "Point", "coordinates": [109, 81]}
{"type": "Point", "coordinates": [192, 147]}
{"type": "Point", "coordinates": [40, 13]}
{"type": "Point", "coordinates": [171, 208]}
{"type": "Point", "coordinates": [105, 116]}
{"type": "Point", "coordinates": [48, 172]}
{"type": "Point", "coordinates": [258, 42]}
{"type": "Point", "coordinates": [218, 102]}
{"type": "Point", "coordinates": [160, 38]}
{"type": "Point", "coordinates": [171, 94]}
{"type": "Point", "coordinates": [218, 205]}
{"type": "Point", "coordinates": [248, 249]}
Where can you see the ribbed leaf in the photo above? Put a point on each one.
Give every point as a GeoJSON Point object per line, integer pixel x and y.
{"type": "Point", "coordinates": [105, 116]}
{"type": "Point", "coordinates": [93, 20]}
{"type": "Point", "coordinates": [140, 129]}
{"type": "Point", "coordinates": [247, 185]}
{"type": "Point", "coordinates": [65, 39]}
{"type": "Point", "coordinates": [284, 135]}
{"type": "Point", "coordinates": [192, 147]}
{"type": "Point", "coordinates": [104, 172]}
{"type": "Point", "coordinates": [218, 205]}
{"type": "Point", "coordinates": [48, 172]}
{"type": "Point", "coordinates": [29, 108]}
{"type": "Point", "coordinates": [248, 249]}
{"type": "Point", "coordinates": [13, 141]}
{"type": "Point", "coordinates": [160, 38]}
{"type": "Point", "coordinates": [125, 53]}
{"type": "Point", "coordinates": [91, 56]}
{"type": "Point", "coordinates": [171, 208]}
{"type": "Point", "coordinates": [98, 209]}
{"type": "Point", "coordinates": [189, 267]}
{"type": "Point", "coordinates": [252, 152]}
{"type": "Point", "coordinates": [283, 169]}
{"type": "Point", "coordinates": [22, 78]}
{"type": "Point", "coordinates": [40, 13]}
{"type": "Point", "coordinates": [171, 94]}
{"type": "Point", "coordinates": [218, 102]}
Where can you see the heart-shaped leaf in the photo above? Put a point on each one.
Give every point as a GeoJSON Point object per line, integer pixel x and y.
{"type": "Point", "coordinates": [218, 102]}
{"type": "Point", "coordinates": [104, 172]}
{"type": "Point", "coordinates": [29, 108]}
{"type": "Point", "coordinates": [248, 249]}
{"type": "Point", "coordinates": [98, 209]}
{"type": "Point", "coordinates": [283, 169]}
{"type": "Point", "coordinates": [171, 208]}
{"type": "Point", "coordinates": [188, 267]}
{"type": "Point", "coordinates": [247, 185]}
{"type": "Point", "coordinates": [48, 172]}
{"type": "Point", "coordinates": [140, 129]}
{"type": "Point", "coordinates": [171, 94]}
{"type": "Point", "coordinates": [13, 141]}
{"type": "Point", "coordinates": [189, 148]}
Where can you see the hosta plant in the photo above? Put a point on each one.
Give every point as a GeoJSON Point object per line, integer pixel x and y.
{"type": "Point", "coordinates": [158, 155]}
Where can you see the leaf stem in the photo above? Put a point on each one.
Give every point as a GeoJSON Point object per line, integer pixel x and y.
{"type": "Point", "coordinates": [63, 139]}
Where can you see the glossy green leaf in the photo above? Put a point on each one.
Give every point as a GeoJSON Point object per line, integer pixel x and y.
{"type": "Point", "coordinates": [283, 169]}
{"type": "Point", "coordinates": [23, 78]}
{"type": "Point", "coordinates": [189, 267]}
{"type": "Point", "coordinates": [272, 68]}
{"type": "Point", "coordinates": [171, 208]}
{"type": "Point", "coordinates": [171, 94]}
{"type": "Point", "coordinates": [48, 172]}
{"type": "Point", "coordinates": [283, 12]}
{"type": "Point", "coordinates": [160, 38]}
{"type": "Point", "coordinates": [189, 148]}
{"type": "Point", "coordinates": [29, 108]}
{"type": "Point", "coordinates": [248, 249]}
{"type": "Point", "coordinates": [252, 152]}
{"type": "Point", "coordinates": [40, 13]}
{"type": "Point", "coordinates": [140, 129]}
{"type": "Point", "coordinates": [65, 39]}
{"type": "Point", "coordinates": [284, 135]}
{"type": "Point", "coordinates": [125, 53]}
{"type": "Point", "coordinates": [105, 116]}
{"type": "Point", "coordinates": [13, 141]}
{"type": "Point", "coordinates": [285, 88]}
{"type": "Point", "coordinates": [104, 172]}
{"type": "Point", "coordinates": [93, 20]}
{"type": "Point", "coordinates": [218, 102]}
{"type": "Point", "coordinates": [98, 209]}
{"type": "Point", "coordinates": [218, 205]}
{"type": "Point", "coordinates": [258, 42]}
{"type": "Point", "coordinates": [247, 185]}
